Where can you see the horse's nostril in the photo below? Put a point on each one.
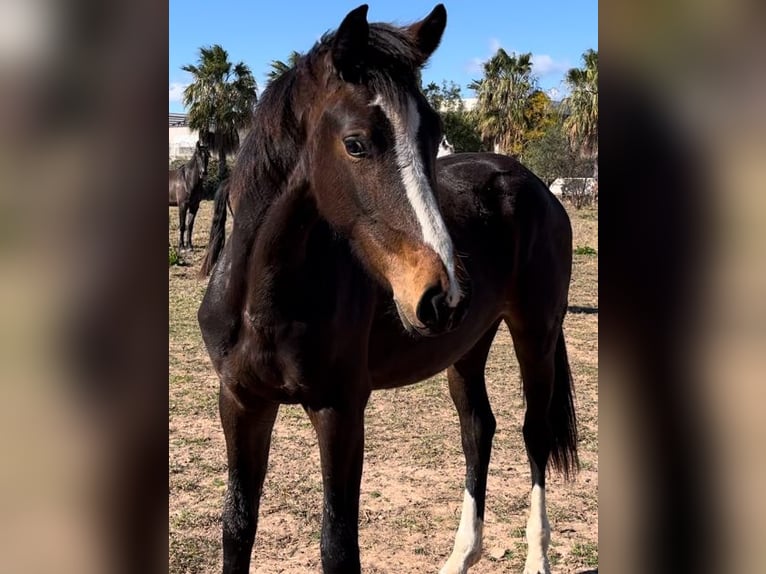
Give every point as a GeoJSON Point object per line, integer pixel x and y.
{"type": "Point", "coordinates": [432, 310]}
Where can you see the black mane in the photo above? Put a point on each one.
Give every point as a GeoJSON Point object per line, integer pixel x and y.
{"type": "Point", "coordinates": [390, 59]}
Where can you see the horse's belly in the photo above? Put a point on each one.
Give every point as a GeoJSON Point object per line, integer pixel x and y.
{"type": "Point", "coordinates": [398, 359]}
{"type": "Point", "coordinates": [398, 374]}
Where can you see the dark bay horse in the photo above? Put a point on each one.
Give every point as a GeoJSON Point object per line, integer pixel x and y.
{"type": "Point", "coordinates": [357, 262]}
{"type": "Point", "coordinates": [186, 190]}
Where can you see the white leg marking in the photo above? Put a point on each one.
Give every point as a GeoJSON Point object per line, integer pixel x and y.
{"type": "Point", "coordinates": [467, 549]}
{"type": "Point", "coordinates": [419, 192]}
{"type": "Point", "coordinates": [538, 535]}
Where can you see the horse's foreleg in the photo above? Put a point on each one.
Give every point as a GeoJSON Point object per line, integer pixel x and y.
{"type": "Point", "coordinates": [181, 223]}
{"type": "Point", "coordinates": [193, 207]}
{"type": "Point", "coordinates": [477, 427]}
{"type": "Point", "coordinates": [340, 432]}
{"type": "Point", "coordinates": [248, 437]}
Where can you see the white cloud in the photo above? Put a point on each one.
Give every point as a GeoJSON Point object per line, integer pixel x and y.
{"type": "Point", "coordinates": [558, 92]}
{"type": "Point", "coordinates": [543, 65]}
{"type": "Point", "coordinates": [176, 91]}
{"type": "Point", "coordinates": [475, 66]}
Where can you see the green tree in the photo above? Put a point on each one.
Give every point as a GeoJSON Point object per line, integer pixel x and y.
{"type": "Point", "coordinates": [539, 115]}
{"type": "Point", "coordinates": [502, 99]}
{"type": "Point", "coordinates": [550, 155]}
{"type": "Point", "coordinates": [459, 125]}
{"type": "Point", "coordinates": [220, 100]}
{"type": "Point", "coordinates": [278, 67]}
{"type": "Point", "coordinates": [445, 97]}
{"type": "Point", "coordinates": [461, 131]}
{"type": "Point", "coordinates": [581, 106]}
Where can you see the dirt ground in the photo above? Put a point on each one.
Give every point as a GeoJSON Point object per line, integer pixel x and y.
{"type": "Point", "coordinates": [412, 487]}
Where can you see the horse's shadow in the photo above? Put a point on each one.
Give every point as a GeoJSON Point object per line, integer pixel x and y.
{"type": "Point", "coordinates": [577, 309]}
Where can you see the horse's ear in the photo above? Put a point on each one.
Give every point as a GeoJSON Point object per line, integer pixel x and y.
{"type": "Point", "coordinates": [428, 32]}
{"type": "Point", "coordinates": [350, 43]}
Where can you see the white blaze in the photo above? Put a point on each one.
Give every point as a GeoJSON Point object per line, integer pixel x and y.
{"type": "Point", "coordinates": [418, 189]}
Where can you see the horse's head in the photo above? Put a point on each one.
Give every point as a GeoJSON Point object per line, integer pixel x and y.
{"type": "Point", "coordinates": [371, 158]}
{"type": "Point", "coordinates": [202, 154]}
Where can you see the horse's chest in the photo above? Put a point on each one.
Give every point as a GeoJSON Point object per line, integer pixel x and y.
{"type": "Point", "coordinates": [274, 366]}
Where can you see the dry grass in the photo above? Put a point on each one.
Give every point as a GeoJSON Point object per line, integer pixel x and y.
{"type": "Point", "coordinates": [413, 479]}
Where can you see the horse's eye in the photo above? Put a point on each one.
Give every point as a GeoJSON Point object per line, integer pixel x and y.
{"type": "Point", "coordinates": [355, 147]}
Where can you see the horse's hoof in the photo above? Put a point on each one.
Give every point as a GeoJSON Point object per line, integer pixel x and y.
{"type": "Point", "coordinates": [539, 569]}
{"type": "Point", "coordinates": [457, 566]}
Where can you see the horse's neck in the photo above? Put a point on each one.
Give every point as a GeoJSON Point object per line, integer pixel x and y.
{"type": "Point", "coordinates": [279, 252]}
{"type": "Point", "coordinates": [192, 171]}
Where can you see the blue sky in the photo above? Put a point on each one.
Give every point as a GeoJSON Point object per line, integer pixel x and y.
{"type": "Point", "coordinates": [555, 32]}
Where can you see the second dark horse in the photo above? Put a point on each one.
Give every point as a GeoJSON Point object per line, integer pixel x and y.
{"type": "Point", "coordinates": [186, 190]}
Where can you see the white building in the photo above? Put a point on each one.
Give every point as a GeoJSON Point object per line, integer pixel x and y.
{"type": "Point", "coordinates": [557, 187]}
{"type": "Point", "coordinates": [468, 105]}
{"type": "Point", "coordinates": [181, 140]}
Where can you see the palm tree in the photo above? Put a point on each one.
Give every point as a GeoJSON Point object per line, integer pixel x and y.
{"type": "Point", "coordinates": [220, 100]}
{"type": "Point", "coordinates": [502, 100]}
{"type": "Point", "coordinates": [278, 67]}
{"type": "Point", "coordinates": [581, 124]}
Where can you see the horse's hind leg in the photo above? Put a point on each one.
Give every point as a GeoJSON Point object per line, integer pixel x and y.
{"type": "Point", "coordinates": [477, 427]}
{"type": "Point", "coordinates": [549, 426]}
{"type": "Point", "coordinates": [248, 438]}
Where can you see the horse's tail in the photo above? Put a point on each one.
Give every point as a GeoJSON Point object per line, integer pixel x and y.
{"type": "Point", "coordinates": [562, 414]}
{"type": "Point", "coordinates": [217, 229]}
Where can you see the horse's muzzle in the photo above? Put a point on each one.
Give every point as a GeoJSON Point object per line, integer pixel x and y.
{"type": "Point", "coordinates": [436, 315]}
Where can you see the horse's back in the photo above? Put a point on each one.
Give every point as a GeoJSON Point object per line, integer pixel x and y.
{"type": "Point", "coordinates": [493, 197]}
{"type": "Point", "coordinates": [507, 221]}
{"type": "Point", "coordinates": [489, 176]}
